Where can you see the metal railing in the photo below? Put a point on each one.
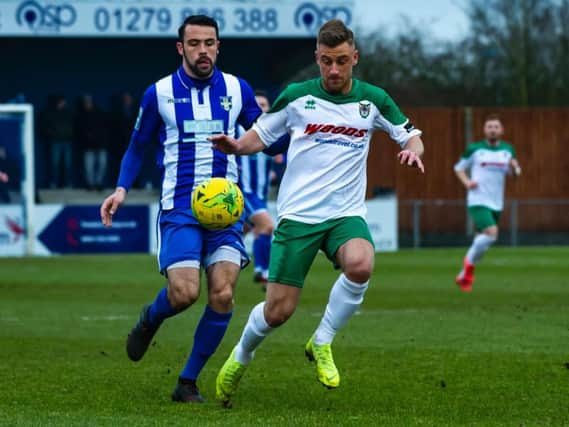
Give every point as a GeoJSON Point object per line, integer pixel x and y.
{"type": "Point", "coordinates": [523, 221]}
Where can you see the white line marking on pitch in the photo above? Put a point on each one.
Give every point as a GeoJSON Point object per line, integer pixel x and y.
{"type": "Point", "coordinates": [319, 313]}
{"type": "Point", "coordinates": [96, 318]}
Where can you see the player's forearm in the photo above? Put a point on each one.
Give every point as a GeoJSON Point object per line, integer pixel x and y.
{"type": "Point", "coordinates": [130, 167]}
{"type": "Point", "coordinates": [415, 144]}
{"type": "Point", "coordinates": [516, 167]}
{"type": "Point", "coordinates": [250, 143]}
{"type": "Point", "coordinates": [463, 178]}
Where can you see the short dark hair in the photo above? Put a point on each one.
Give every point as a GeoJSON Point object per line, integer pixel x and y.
{"type": "Point", "coordinates": [492, 117]}
{"type": "Point", "coordinates": [202, 20]}
{"type": "Point", "coordinates": [333, 33]}
{"type": "Point", "coordinates": [261, 92]}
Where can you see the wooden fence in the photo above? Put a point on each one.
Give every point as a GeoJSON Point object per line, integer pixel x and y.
{"type": "Point", "coordinates": [540, 137]}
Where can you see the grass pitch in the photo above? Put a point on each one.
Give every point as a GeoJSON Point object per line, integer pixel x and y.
{"type": "Point", "coordinates": [419, 353]}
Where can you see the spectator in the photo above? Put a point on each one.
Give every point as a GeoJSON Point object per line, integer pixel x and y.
{"type": "Point", "coordinates": [124, 111]}
{"type": "Point", "coordinates": [56, 128]}
{"type": "Point", "coordinates": [91, 134]}
{"type": "Point", "coordinates": [19, 98]}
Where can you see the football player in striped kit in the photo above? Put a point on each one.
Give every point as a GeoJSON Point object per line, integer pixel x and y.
{"type": "Point", "coordinates": [182, 110]}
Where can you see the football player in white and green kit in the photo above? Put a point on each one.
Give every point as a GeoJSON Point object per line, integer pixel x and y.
{"type": "Point", "coordinates": [320, 203]}
{"type": "Point", "coordinates": [488, 162]}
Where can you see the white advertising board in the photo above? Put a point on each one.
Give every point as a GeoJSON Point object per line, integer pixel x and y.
{"type": "Point", "coordinates": [154, 18]}
{"type": "Point", "coordinates": [381, 219]}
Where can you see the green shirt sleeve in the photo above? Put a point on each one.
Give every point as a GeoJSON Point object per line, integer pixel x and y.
{"type": "Point", "coordinates": [469, 150]}
{"type": "Point", "coordinates": [386, 105]}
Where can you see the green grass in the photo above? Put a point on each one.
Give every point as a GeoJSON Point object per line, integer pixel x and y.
{"type": "Point", "coordinates": [419, 353]}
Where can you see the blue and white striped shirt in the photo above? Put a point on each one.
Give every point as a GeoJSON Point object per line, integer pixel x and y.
{"type": "Point", "coordinates": [254, 174]}
{"type": "Point", "coordinates": [184, 112]}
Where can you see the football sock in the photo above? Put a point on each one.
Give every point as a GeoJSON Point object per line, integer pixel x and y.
{"type": "Point", "coordinates": [161, 308]}
{"type": "Point", "coordinates": [207, 337]}
{"type": "Point", "coordinates": [254, 333]}
{"type": "Point", "coordinates": [261, 252]}
{"type": "Point", "coordinates": [480, 244]}
{"type": "Point", "coordinates": [345, 298]}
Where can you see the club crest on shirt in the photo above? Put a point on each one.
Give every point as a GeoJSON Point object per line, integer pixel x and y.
{"type": "Point", "coordinates": [310, 104]}
{"type": "Point", "coordinates": [225, 102]}
{"type": "Point", "coordinates": [365, 108]}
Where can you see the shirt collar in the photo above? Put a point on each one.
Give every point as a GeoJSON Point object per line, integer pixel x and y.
{"type": "Point", "coordinates": [190, 82]}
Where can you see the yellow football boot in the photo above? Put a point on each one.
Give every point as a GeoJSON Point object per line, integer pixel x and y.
{"type": "Point", "coordinates": [327, 372]}
{"type": "Point", "coordinates": [228, 379]}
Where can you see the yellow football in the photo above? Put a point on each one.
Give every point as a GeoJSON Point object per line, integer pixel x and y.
{"type": "Point", "coordinates": [217, 203]}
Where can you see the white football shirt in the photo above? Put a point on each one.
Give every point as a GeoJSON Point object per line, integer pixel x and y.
{"type": "Point", "coordinates": [325, 176]}
{"type": "Point", "coordinates": [488, 166]}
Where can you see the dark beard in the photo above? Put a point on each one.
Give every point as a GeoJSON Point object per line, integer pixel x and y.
{"type": "Point", "coordinates": [197, 72]}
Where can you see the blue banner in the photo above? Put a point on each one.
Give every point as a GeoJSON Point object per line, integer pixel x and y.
{"type": "Point", "coordinates": [78, 230]}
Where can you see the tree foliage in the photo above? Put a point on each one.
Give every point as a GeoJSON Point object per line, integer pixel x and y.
{"type": "Point", "coordinates": [516, 53]}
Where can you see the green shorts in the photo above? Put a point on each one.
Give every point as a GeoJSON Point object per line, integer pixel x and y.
{"type": "Point", "coordinates": [484, 217]}
{"type": "Point", "coordinates": [296, 244]}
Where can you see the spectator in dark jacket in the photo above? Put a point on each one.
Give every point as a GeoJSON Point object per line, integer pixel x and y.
{"type": "Point", "coordinates": [91, 134]}
{"type": "Point", "coordinates": [56, 129]}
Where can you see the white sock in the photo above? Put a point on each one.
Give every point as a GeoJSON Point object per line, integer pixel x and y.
{"type": "Point", "coordinates": [345, 298]}
{"type": "Point", "coordinates": [254, 333]}
{"type": "Point", "coordinates": [480, 244]}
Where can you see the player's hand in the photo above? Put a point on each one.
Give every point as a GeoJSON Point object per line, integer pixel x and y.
{"type": "Point", "coordinates": [471, 185]}
{"type": "Point", "coordinates": [515, 165]}
{"type": "Point", "coordinates": [4, 177]}
{"type": "Point", "coordinates": [110, 205]}
{"type": "Point", "coordinates": [224, 143]}
{"type": "Point", "coordinates": [410, 158]}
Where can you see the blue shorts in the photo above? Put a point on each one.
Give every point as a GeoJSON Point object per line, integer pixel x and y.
{"type": "Point", "coordinates": [182, 239]}
{"type": "Point", "coordinates": [253, 205]}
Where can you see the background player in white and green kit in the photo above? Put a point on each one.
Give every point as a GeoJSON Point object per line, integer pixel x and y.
{"type": "Point", "coordinates": [488, 162]}
{"type": "Point", "coordinates": [321, 198]}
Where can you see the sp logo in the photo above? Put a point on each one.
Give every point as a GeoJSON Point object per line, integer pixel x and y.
{"type": "Point", "coordinates": [311, 16]}
{"type": "Point", "coordinates": [45, 17]}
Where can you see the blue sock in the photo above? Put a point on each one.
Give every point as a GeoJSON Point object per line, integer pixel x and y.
{"type": "Point", "coordinates": [208, 335]}
{"type": "Point", "coordinates": [262, 252]}
{"type": "Point", "coordinates": [160, 309]}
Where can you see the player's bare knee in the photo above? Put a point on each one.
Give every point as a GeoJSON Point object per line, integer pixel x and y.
{"type": "Point", "coordinates": [266, 228]}
{"type": "Point", "coordinates": [358, 271]}
{"type": "Point", "coordinates": [492, 232]}
{"type": "Point", "coordinates": [182, 295]}
{"type": "Point", "coordinates": [221, 299]}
